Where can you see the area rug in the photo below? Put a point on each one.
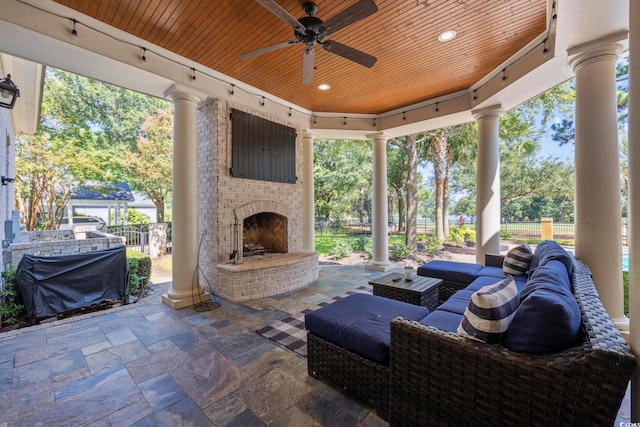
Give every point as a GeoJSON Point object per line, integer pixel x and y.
{"type": "Point", "coordinates": [290, 332]}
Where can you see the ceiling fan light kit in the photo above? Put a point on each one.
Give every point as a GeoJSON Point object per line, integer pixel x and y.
{"type": "Point", "coordinates": [311, 31]}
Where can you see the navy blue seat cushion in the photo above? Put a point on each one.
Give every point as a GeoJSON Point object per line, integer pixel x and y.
{"type": "Point", "coordinates": [483, 281]}
{"type": "Point", "coordinates": [444, 320]}
{"type": "Point", "coordinates": [451, 271]}
{"type": "Point", "coordinates": [496, 272]}
{"type": "Point", "coordinates": [458, 302]}
{"type": "Point", "coordinates": [550, 250]}
{"type": "Point", "coordinates": [547, 321]}
{"type": "Point", "coordinates": [361, 323]}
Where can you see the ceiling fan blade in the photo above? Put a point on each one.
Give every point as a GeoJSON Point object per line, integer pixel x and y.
{"type": "Point", "coordinates": [308, 65]}
{"type": "Point", "coordinates": [266, 49]}
{"type": "Point", "coordinates": [277, 10]}
{"type": "Point", "coordinates": [350, 53]}
{"type": "Point", "coordinates": [348, 16]}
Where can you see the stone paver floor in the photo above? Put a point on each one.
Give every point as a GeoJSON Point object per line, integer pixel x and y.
{"type": "Point", "coordinates": [148, 365]}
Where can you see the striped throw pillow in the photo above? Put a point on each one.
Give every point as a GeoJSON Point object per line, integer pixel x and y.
{"type": "Point", "coordinates": [490, 311]}
{"type": "Point", "coordinates": [517, 260]}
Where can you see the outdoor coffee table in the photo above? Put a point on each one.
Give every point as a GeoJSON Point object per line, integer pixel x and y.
{"type": "Point", "coordinates": [419, 291]}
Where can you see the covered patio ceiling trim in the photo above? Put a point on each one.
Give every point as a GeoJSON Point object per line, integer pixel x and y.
{"type": "Point", "coordinates": [124, 51]}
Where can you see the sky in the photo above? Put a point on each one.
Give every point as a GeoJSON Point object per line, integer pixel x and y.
{"type": "Point", "coordinates": [549, 147]}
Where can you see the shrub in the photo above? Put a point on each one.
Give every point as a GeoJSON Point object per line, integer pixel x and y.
{"type": "Point", "coordinates": [341, 249]}
{"type": "Point", "coordinates": [133, 217]}
{"type": "Point", "coordinates": [360, 243]}
{"type": "Point", "coordinates": [431, 243]}
{"type": "Point", "coordinates": [139, 266]}
{"type": "Point", "coordinates": [462, 234]}
{"type": "Point", "coordinates": [400, 251]}
{"type": "Point", "coordinates": [10, 307]}
{"type": "Point", "coordinates": [368, 248]}
{"type": "Point", "coordinates": [625, 283]}
{"type": "Point", "coordinates": [134, 279]}
{"type": "Point", "coordinates": [506, 234]}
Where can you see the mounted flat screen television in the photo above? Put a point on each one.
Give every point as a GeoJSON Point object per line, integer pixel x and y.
{"type": "Point", "coordinates": [262, 149]}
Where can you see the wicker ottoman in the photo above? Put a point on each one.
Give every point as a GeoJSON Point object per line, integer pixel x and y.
{"type": "Point", "coordinates": [420, 290]}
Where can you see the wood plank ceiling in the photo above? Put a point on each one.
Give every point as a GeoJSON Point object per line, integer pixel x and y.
{"type": "Point", "coordinates": [412, 64]}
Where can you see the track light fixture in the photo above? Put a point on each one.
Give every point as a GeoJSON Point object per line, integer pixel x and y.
{"type": "Point", "coordinates": [74, 33]}
{"type": "Point", "coordinates": [8, 92]}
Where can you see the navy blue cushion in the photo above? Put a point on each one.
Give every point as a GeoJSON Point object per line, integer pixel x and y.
{"type": "Point", "coordinates": [452, 271]}
{"type": "Point", "coordinates": [552, 276]}
{"type": "Point", "coordinates": [547, 321]}
{"type": "Point", "coordinates": [458, 302]}
{"type": "Point", "coordinates": [444, 320]}
{"type": "Point", "coordinates": [550, 250]}
{"type": "Point", "coordinates": [496, 272]}
{"type": "Point", "coordinates": [360, 323]}
{"type": "Point", "coordinates": [520, 281]}
{"type": "Point", "coordinates": [481, 282]}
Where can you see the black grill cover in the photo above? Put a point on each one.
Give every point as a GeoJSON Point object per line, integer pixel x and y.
{"type": "Point", "coordinates": [54, 284]}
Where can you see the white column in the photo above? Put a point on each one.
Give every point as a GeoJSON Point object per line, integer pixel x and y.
{"type": "Point", "coordinates": [488, 184]}
{"type": "Point", "coordinates": [308, 200]}
{"type": "Point", "coordinates": [380, 227]}
{"type": "Point", "coordinates": [185, 201]}
{"type": "Point", "coordinates": [634, 200]}
{"type": "Point", "coordinates": [598, 204]}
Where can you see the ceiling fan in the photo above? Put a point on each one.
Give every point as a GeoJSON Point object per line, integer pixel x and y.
{"type": "Point", "coordinates": [311, 31]}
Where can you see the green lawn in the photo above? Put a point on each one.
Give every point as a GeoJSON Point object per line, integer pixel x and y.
{"type": "Point", "coordinates": [326, 241]}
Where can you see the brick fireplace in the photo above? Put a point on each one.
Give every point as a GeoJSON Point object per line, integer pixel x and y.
{"type": "Point", "coordinates": [264, 233]}
{"type": "Point", "coordinates": [252, 247]}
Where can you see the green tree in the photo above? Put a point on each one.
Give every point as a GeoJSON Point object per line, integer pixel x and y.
{"type": "Point", "coordinates": [43, 182]}
{"type": "Point", "coordinates": [523, 175]}
{"type": "Point", "coordinates": [342, 178]}
{"type": "Point", "coordinates": [397, 181]}
{"type": "Point", "coordinates": [150, 164]}
{"type": "Point", "coordinates": [403, 178]}
{"type": "Point", "coordinates": [86, 127]}
{"type": "Point", "coordinates": [443, 148]}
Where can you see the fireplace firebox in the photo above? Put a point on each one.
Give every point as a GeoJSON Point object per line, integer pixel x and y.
{"type": "Point", "coordinates": [263, 233]}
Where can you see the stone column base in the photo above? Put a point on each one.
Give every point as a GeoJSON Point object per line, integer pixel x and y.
{"type": "Point", "coordinates": [185, 301]}
{"type": "Point", "coordinates": [379, 266]}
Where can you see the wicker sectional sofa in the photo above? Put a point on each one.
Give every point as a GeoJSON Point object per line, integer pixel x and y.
{"type": "Point", "coordinates": [439, 377]}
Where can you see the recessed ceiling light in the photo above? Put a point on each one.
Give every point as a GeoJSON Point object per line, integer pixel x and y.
{"type": "Point", "coordinates": [445, 36]}
{"type": "Point", "coordinates": [324, 86]}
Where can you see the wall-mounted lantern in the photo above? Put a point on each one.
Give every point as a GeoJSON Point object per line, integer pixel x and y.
{"type": "Point", "coordinates": [8, 92]}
